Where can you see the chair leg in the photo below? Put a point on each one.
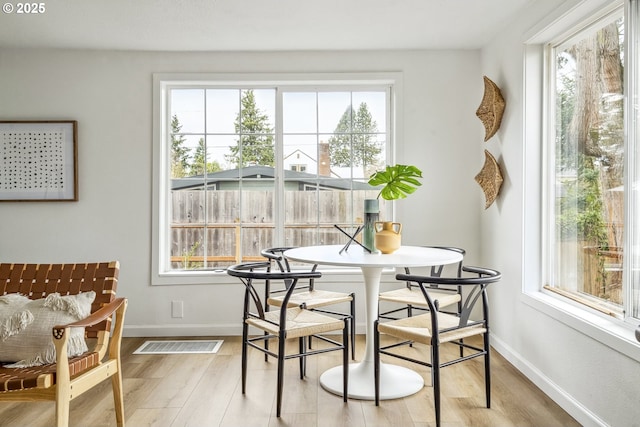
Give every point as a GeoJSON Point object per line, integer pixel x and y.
{"type": "Point", "coordinates": [353, 326]}
{"type": "Point", "coordinates": [245, 336]}
{"type": "Point", "coordinates": [487, 369]}
{"type": "Point", "coordinates": [63, 385]}
{"type": "Point", "coordinates": [410, 314]}
{"type": "Point", "coordinates": [459, 314]}
{"type": "Point", "coordinates": [62, 408]}
{"type": "Point", "coordinates": [376, 362]}
{"type": "Point", "coordinates": [116, 383]}
{"type": "Point", "coordinates": [281, 343]}
{"type": "Point", "coordinates": [435, 373]}
{"type": "Point", "coordinates": [302, 344]}
{"type": "Point", "coordinates": [432, 374]}
{"type": "Point", "coordinates": [345, 362]}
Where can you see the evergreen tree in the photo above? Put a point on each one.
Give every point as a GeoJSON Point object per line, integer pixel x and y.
{"type": "Point", "coordinates": [354, 141]}
{"type": "Point", "coordinates": [179, 153]}
{"type": "Point", "coordinates": [200, 159]}
{"type": "Point", "coordinates": [256, 135]}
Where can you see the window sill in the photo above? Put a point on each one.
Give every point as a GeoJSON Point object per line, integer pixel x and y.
{"type": "Point", "coordinates": [614, 333]}
{"type": "Point", "coordinates": [220, 277]}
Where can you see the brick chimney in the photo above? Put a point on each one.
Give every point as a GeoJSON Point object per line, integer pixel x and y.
{"type": "Point", "coordinates": [324, 161]}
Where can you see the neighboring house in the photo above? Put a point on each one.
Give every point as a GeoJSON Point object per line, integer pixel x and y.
{"type": "Point", "coordinates": [295, 181]}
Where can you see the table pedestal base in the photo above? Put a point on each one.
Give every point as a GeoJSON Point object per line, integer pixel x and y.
{"type": "Point", "coordinates": [395, 381]}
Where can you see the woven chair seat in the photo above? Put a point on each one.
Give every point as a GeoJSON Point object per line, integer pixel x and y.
{"type": "Point", "coordinates": [312, 299]}
{"type": "Point", "coordinates": [419, 329]}
{"type": "Point", "coordinates": [300, 323]}
{"type": "Point", "coordinates": [414, 297]}
{"type": "Point", "coordinates": [12, 379]}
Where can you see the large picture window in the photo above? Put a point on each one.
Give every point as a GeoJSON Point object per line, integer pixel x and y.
{"type": "Point", "coordinates": [249, 165]}
{"type": "Point", "coordinates": [591, 171]}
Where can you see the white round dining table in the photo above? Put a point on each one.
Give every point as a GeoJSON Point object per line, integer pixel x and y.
{"type": "Point", "coordinates": [395, 381]}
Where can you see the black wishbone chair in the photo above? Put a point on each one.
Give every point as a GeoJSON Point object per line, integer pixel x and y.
{"type": "Point", "coordinates": [410, 297]}
{"type": "Point", "coordinates": [314, 299]}
{"type": "Point", "coordinates": [292, 323]}
{"type": "Point", "coordinates": [436, 328]}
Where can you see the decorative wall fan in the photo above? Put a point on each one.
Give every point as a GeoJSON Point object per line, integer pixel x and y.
{"type": "Point", "coordinates": [491, 108]}
{"type": "Point", "coordinates": [490, 178]}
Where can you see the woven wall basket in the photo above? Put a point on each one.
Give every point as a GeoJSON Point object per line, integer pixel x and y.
{"type": "Point", "coordinates": [491, 108]}
{"type": "Point", "coordinates": [490, 179]}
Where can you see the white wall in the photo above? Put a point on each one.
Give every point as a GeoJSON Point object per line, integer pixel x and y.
{"type": "Point", "coordinates": [110, 94]}
{"type": "Point", "coordinates": [590, 372]}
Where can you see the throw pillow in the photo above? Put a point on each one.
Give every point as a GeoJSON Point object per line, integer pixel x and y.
{"type": "Point", "coordinates": [25, 327]}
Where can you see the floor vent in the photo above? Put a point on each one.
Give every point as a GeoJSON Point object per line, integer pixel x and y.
{"type": "Point", "coordinates": [179, 347]}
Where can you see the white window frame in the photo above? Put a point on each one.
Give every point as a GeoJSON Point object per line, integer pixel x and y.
{"type": "Point", "coordinates": [615, 333]}
{"type": "Point", "coordinates": [161, 274]}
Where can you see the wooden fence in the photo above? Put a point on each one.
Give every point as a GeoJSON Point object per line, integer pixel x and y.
{"type": "Point", "coordinates": [591, 270]}
{"type": "Point", "coordinates": [210, 229]}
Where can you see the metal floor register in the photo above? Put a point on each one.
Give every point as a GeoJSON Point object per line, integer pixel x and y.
{"type": "Point", "coordinates": [179, 347]}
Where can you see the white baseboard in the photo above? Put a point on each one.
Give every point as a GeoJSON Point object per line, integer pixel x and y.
{"type": "Point", "coordinates": [182, 330]}
{"type": "Point", "coordinates": [578, 411]}
{"type": "Point", "coordinates": [192, 330]}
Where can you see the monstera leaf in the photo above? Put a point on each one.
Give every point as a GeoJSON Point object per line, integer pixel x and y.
{"type": "Point", "coordinates": [398, 180]}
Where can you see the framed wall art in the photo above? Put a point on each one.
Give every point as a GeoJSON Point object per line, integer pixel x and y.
{"type": "Point", "coordinates": [38, 160]}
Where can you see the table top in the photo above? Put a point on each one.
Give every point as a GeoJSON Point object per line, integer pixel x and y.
{"type": "Point", "coordinates": [355, 256]}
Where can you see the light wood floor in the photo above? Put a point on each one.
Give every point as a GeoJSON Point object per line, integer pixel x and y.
{"type": "Point", "coordinates": [204, 391]}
